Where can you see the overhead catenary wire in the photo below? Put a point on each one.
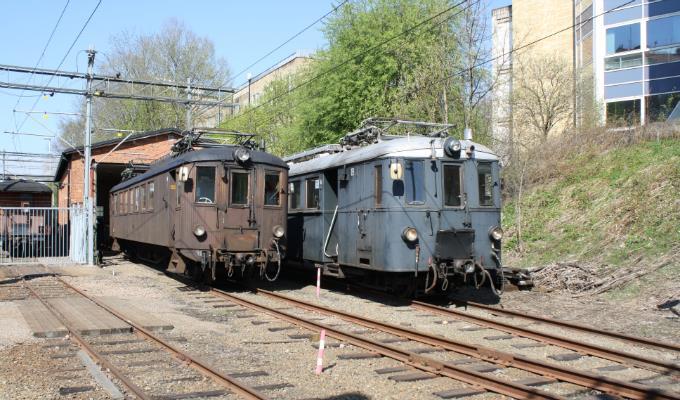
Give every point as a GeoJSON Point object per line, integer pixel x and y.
{"type": "Point", "coordinates": [291, 38]}
{"type": "Point", "coordinates": [446, 78]}
{"type": "Point", "coordinates": [360, 54]}
{"type": "Point", "coordinates": [42, 54]}
{"type": "Point", "coordinates": [87, 22]}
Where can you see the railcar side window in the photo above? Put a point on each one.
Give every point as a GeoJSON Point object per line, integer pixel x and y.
{"type": "Point", "coordinates": [150, 190]}
{"type": "Point", "coordinates": [205, 185]}
{"type": "Point", "coordinates": [239, 188]}
{"type": "Point", "coordinates": [452, 196]}
{"type": "Point", "coordinates": [378, 185]}
{"type": "Point", "coordinates": [414, 182]}
{"type": "Point", "coordinates": [313, 191]}
{"type": "Point", "coordinates": [137, 199]}
{"type": "Point", "coordinates": [295, 195]}
{"type": "Point", "coordinates": [142, 194]}
{"type": "Point", "coordinates": [271, 188]}
{"type": "Point", "coordinates": [485, 183]}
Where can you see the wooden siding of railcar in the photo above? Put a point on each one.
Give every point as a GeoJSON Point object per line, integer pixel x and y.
{"type": "Point", "coordinates": [230, 229]}
{"type": "Point", "coordinates": [149, 225]}
{"type": "Point", "coordinates": [224, 228]}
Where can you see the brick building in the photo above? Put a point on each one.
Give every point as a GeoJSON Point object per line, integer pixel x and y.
{"type": "Point", "coordinates": [109, 159]}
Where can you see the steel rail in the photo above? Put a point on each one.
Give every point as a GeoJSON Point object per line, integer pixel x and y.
{"type": "Point", "coordinates": [582, 378]}
{"type": "Point", "coordinates": [571, 325]}
{"type": "Point", "coordinates": [477, 379]}
{"type": "Point", "coordinates": [73, 333]}
{"type": "Point", "coordinates": [561, 341]}
{"type": "Point", "coordinates": [230, 383]}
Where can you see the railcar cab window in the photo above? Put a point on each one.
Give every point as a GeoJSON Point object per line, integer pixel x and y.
{"type": "Point", "coordinates": [205, 185]}
{"type": "Point", "coordinates": [239, 188]}
{"type": "Point", "coordinates": [485, 184]}
{"type": "Point", "coordinates": [414, 182]}
{"type": "Point", "coordinates": [295, 197]}
{"type": "Point", "coordinates": [272, 188]}
{"type": "Point", "coordinates": [452, 196]}
{"type": "Point", "coordinates": [378, 185]}
{"type": "Point", "coordinates": [313, 191]}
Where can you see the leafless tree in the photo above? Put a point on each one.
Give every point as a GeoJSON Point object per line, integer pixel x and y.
{"type": "Point", "coordinates": [174, 54]}
{"type": "Point", "coordinates": [542, 95]}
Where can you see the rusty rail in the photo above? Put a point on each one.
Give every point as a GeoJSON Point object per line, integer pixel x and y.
{"type": "Point", "coordinates": [582, 378]}
{"type": "Point", "coordinates": [568, 343]}
{"type": "Point", "coordinates": [230, 383]}
{"type": "Point", "coordinates": [488, 382]}
{"type": "Point", "coordinates": [563, 324]}
{"type": "Point", "coordinates": [89, 349]}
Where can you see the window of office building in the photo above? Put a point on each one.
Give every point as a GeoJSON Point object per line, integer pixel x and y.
{"type": "Point", "coordinates": [658, 56]}
{"type": "Point", "coordinates": [663, 31]}
{"type": "Point", "coordinates": [660, 106]}
{"type": "Point", "coordinates": [619, 62]}
{"type": "Point", "coordinates": [623, 38]}
{"type": "Point", "coordinates": [625, 112]}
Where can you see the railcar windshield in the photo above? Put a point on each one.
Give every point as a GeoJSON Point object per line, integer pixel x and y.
{"type": "Point", "coordinates": [239, 188]}
{"type": "Point", "coordinates": [414, 185]}
{"type": "Point", "coordinates": [271, 188]}
{"type": "Point", "coordinates": [485, 184]}
{"type": "Point", "coordinates": [205, 185]}
{"type": "Point", "coordinates": [452, 197]}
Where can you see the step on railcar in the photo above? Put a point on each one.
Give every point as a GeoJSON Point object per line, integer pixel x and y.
{"type": "Point", "coordinates": [400, 205]}
{"type": "Point", "coordinates": [208, 210]}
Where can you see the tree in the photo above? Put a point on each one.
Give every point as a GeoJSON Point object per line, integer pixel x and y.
{"type": "Point", "coordinates": [174, 54]}
{"type": "Point", "coordinates": [543, 94]}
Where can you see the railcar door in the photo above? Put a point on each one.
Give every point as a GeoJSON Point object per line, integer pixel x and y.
{"type": "Point", "coordinates": [173, 201]}
{"type": "Point", "coordinates": [240, 219]}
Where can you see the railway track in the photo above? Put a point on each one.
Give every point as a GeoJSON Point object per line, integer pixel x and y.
{"type": "Point", "coordinates": [449, 369]}
{"type": "Point", "coordinates": [108, 354]}
{"type": "Point", "coordinates": [625, 358]}
{"type": "Point", "coordinates": [636, 340]}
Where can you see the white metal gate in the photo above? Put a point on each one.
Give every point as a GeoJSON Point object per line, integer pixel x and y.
{"type": "Point", "coordinates": [47, 235]}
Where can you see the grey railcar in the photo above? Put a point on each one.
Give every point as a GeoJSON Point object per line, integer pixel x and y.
{"type": "Point", "coordinates": [206, 212]}
{"type": "Point", "coordinates": [414, 214]}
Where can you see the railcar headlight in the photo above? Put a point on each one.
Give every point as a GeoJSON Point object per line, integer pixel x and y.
{"type": "Point", "coordinates": [452, 147]}
{"type": "Point", "coordinates": [410, 234]}
{"type": "Point", "coordinates": [278, 231]}
{"type": "Point", "coordinates": [199, 231]}
{"type": "Point", "coordinates": [242, 155]}
{"type": "Point", "coordinates": [496, 233]}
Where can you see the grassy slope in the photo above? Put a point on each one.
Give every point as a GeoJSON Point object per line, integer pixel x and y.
{"type": "Point", "coordinates": [609, 208]}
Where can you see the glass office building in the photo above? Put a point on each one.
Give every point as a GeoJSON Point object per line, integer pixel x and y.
{"type": "Point", "coordinates": [633, 48]}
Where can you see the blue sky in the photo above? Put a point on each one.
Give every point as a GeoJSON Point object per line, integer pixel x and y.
{"type": "Point", "coordinates": [241, 31]}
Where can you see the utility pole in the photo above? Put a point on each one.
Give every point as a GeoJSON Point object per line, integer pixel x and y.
{"type": "Point", "coordinates": [87, 198]}
{"type": "Point", "coordinates": [188, 122]}
{"type": "Point", "coordinates": [3, 165]}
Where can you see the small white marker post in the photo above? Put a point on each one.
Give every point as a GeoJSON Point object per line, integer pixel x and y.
{"type": "Point", "coordinates": [318, 281]}
{"type": "Point", "coordinates": [319, 358]}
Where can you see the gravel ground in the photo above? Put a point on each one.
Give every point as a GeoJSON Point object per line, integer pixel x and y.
{"type": "Point", "coordinates": [241, 341]}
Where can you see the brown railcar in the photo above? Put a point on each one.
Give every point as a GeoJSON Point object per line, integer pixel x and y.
{"type": "Point", "coordinates": [206, 211]}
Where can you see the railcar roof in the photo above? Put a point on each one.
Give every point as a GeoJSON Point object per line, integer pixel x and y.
{"type": "Point", "coordinates": [407, 147]}
{"type": "Point", "coordinates": [219, 153]}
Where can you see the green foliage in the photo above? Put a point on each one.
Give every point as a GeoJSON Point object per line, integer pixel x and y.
{"type": "Point", "coordinates": [612, 208]}
{"type": "Point", "coordinates": [356, 77]}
